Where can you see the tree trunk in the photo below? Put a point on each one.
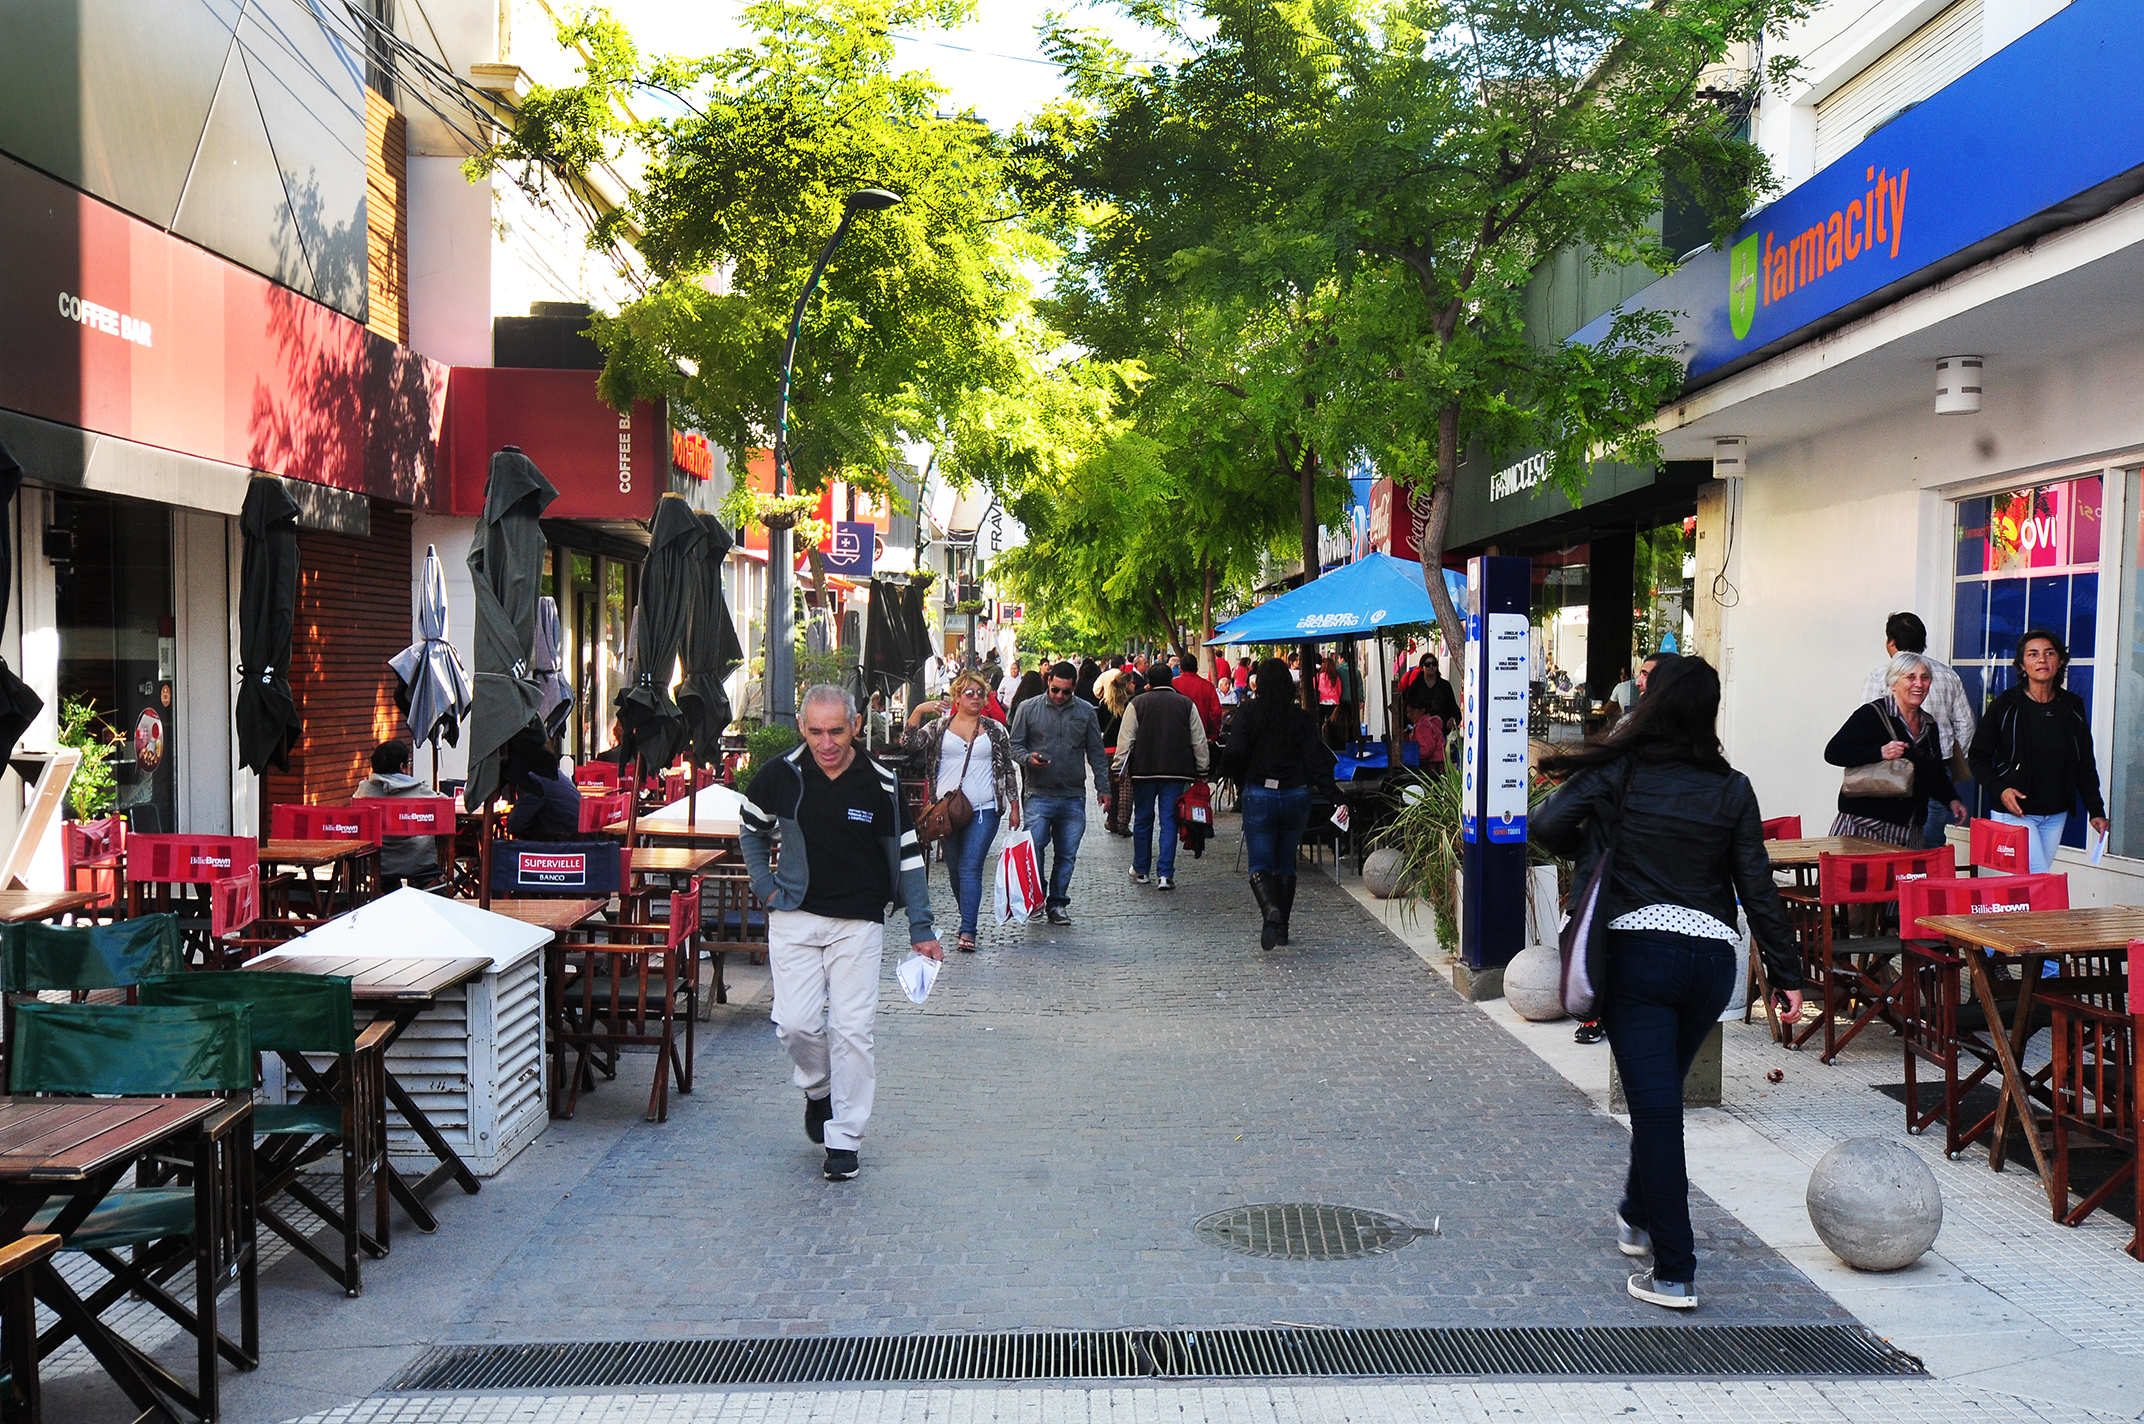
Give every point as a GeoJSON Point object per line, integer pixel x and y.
{"type": "Point", "coordinates": [1307, 491]}
{"type": "Point", "coordinates": [1206, 654]}
{"type": "Point", "coordinates": [1439, 524]}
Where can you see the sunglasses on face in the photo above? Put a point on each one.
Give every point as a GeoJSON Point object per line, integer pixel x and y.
{"type": "Point", "coordinates": [1060, 691]}
{"type": "Point", "coordinates": [971, 692]}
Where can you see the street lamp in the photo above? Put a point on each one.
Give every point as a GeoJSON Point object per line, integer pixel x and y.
{"type": "Point", "coordinates": [781, 676]}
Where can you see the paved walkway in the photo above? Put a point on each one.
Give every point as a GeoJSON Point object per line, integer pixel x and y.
{"type": "Point", "coordinates": [1049, 1127]}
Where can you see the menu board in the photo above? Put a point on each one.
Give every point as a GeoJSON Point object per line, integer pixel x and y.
{"type": "Point", "coordinates": [1470, 732]}
{"type": "Point", "coordinates": [1503, 720]}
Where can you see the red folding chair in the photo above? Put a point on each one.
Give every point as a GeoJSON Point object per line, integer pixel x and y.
{"type": "Point", "coordinates": [161, 868]}
{"type": "Point", "coordinates": [360, 876]}
{"type": "Point", "coordinates": [1783, 828]}
{"type": "Point", "coordinates": [1943, 1020]}
{"type": "Point", "coordinates": [629, 991]}
{"type": "Point", "coordinates": [1857, 973]}
{"type": "Point", "coordinates": [1998, 846]}
{"type": "Point", "coordinates": [600, 811]}
{"type": "Point", "coordinates": [2093, 1094]}
{"type": "Point", "coordinates": [412, 816]}
{"type": "Point", "coordinates": [93, 857]}
{"type": "Point", "coordinates": [596, 773]}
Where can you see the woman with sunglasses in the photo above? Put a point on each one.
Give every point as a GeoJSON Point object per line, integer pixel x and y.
{"type": "Point", "coordinates": [967, 750]}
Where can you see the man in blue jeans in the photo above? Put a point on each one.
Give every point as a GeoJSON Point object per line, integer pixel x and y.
{"type": "Point", "coordinates": [1162, 744]}
{"type": "Point", "coordinates": [1057, 739]}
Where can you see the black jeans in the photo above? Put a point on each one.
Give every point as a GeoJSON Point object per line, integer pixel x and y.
{"type": "Point", "coordinates": [1665, 992]}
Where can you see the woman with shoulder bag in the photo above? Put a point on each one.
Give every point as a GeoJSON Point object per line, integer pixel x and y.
{"type": "Point", "coordinates": [1687, 844]}
{"type": "Point", "coordinates": [1893, 760]}
{"type": "Point", "coordinates": [967, 759]}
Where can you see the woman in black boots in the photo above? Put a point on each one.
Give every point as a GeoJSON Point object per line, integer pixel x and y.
{"type": "Point", "coordinates": [1275, 755]}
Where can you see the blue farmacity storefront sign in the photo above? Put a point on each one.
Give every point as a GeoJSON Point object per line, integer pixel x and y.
{"type": "Point", "coordinates": [2035, 125]}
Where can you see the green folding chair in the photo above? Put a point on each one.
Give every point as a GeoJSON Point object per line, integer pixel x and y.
{"type": "Point", "coordinates": [344, 1110]}
{"type": "Point", "coordinates": [181, 1050]}
{"type": "Point", "coordinates": [80, 960]}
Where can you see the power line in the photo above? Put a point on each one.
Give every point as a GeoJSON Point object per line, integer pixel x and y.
{"type": "Point", "coordinates": [984, 53]}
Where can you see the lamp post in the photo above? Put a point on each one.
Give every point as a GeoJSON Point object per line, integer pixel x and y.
{"type": "Point", "coordinates": [781, 675]}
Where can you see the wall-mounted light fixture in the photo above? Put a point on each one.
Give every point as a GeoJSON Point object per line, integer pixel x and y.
{"type": "Point", "coordinates": [1958, 385]}
{"type": "Point", "coordinates": [1730, 457]}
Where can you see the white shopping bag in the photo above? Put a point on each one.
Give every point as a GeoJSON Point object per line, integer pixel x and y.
{"type": "Point", "coordinates": [1019, 879]}
{"type": "Point", "coordinates": [917, 974]}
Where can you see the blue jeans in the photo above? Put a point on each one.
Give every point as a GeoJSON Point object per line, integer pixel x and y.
{"type": "Point", "coordinates": [1273, 824]}
{"type": "Point", "coordinates": [2043, 836]}
{"type": "Point", "coordinates": [1058, 821]}
{"type": "Point", "coordinates": [1145, 796]}
{"type": "Point", "coordinates": [1665, 992]}
{"type": "Point", "coordinates": [1939, 816]}
{"type": "Point", "coordinates": [966, 853]}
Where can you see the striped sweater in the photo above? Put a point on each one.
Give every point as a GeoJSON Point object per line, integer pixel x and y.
{"type": "Point", "coordinates": [769, 817]}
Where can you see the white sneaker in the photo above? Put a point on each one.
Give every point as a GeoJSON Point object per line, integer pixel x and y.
{"type": "Point", "coordinates": [1164, 883]}
{"type": "Point", "coordinates": [1137, 877]}
{"type": "Point", "coordinates": [1675, 1295]}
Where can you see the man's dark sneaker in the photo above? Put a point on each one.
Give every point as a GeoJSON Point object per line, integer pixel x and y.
{"type": "Point", "coordinates": [1632, 1240]}
{"type": "Point", "coordinates": [841, 1164]}
{"type": "Point", "coordinates": [1138, 876]}
{"type": "Point", "coordinates": [1164, 883]}
{"type": "Point", "coordinates": [1590, 1032]}
{"type": "Point", "coordinates": [1059, 915]}
{"type": "Point", "coordinates": [816, 1113]}
{"type": "Point", "coordinates": [1675, 1295]}
{"type": "Point", "coordinates": [1034, 916]}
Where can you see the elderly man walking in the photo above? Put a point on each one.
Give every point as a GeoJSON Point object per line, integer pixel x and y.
{"type": "Point", "coordinates": [1056, 739]}
{"type": "Point", "coordinates": [1162, 743]}
{"type": "Point", "coordinates": [846, 854]}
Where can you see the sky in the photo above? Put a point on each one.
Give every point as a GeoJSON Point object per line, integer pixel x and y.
{"type": "Point", "coordinates": [993, 65]}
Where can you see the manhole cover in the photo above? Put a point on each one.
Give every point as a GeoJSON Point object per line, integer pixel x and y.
{"type": "Point", "coordinates": [1307, 1231]}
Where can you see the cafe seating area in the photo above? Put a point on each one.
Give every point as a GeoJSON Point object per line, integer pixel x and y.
{"type": "Point", "coordinates": [215, 1043]}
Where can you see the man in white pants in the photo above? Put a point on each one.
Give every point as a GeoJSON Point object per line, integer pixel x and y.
{"type": "Point", "coordinates": [846, 854]}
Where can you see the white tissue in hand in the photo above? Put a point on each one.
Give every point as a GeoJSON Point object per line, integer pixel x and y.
{"type": "Point", "coordinates": [917, 974]}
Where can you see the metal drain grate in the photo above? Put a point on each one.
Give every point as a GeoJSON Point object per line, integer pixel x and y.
{"type": "Point", "coordinates": [1306, 1231]}
{"type": "Point", "coordinates": [1652, 1351]}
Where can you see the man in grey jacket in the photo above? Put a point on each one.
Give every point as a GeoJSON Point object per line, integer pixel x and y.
{"type": "Point", "coordinates": [1056, 739]}
{"type": "Point", "coordinates": [846, 855]}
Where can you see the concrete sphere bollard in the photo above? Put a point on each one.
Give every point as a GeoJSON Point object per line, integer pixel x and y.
{"type": "Point", "coordinates": [1875, 1204]}
{"type": "Point", "coordinates": [1533, 983]}
{"type": "Point", "coordinates": [1381, 872]}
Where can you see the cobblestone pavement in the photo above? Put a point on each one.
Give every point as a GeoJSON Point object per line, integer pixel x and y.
{"type": "Point", "coordinates": [1048, 1128]}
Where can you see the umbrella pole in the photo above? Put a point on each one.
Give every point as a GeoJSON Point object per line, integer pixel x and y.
{"type": "Point", "coordinates": [483, 858]}
{"type": "Point", "coordinates": [692, 790]}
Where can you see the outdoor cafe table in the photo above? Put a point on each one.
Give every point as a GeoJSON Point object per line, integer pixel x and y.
{"type": "Point", "coordinates": [2031, 939]}
{"type": "Point", "coordinates": [21, 906]}
{"type": "Point", "coordinates": [675, 862]}
{"type": "Point", "coordinates": [77, 1149]}
{"type": "Point", "coordinates": [342, 858]}
{"type": "Point", "coordinates": [707, 832]}
{"type": "Point", "coordinates": [1801, 856]}
{"type": "Point", "coordinates": [557, 916]}
{"type": "Point", "coordinates": [397, 991]}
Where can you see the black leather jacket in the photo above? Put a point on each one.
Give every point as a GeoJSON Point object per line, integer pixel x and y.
{"type": "Point", "coordinates": [1688, 837]}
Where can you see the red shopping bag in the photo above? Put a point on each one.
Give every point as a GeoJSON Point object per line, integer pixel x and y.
{"type": "Point", "coordinates": [1019, 879]}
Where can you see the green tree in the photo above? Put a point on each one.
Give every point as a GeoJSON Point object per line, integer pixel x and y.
{"type": "Point", "coordinates": [1398, 170]}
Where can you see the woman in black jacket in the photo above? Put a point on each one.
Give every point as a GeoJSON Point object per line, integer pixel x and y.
{"type": "Point", "coordinates": [1688, 844]}
{"type": "Point", "coordinates": [1894, 728]}
{"type": "Point", "coordinates": [2034, 750]}
{"type": "Point", "coordinates": [1275, 755]}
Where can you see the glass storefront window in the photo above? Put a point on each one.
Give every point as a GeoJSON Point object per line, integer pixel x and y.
{"type": "Point", "coordinates": [1665, 567]}
{"type": "Point", "coordinates": [2028, 558]}
{"type": "Point", "coordinates": [1563, 593]}
{"type": "Point", "coordinates": [119, 644]}
{"type": "Point", "coordinates": [2122, 770]}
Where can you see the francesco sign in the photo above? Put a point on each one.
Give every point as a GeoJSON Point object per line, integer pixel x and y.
{"type": "Point", "coordinates": [2025, 137]}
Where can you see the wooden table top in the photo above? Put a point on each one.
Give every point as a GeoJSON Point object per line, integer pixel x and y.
{"type": "Point", "coordinates": [707, 830]}
{"type": "Point", "coordinates": [1806, 851]}
{"type": "Point", "coordinates": [673, 860]}
{"type": "Point", "coordinates": [314, 853]}
{"type": "Point", "coordinates": [557, 916]}
{"type": "Point", "coordinates": [375, 978]}
{"type": "Point", "coordinates": [2100, 928]}
{"type": "Point", "coordinates": [68, 1139]}
{"type": "Point", "coordinates": [18, 906]}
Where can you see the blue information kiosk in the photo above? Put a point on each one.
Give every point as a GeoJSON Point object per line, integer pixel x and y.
{"type": "Point", "coordinates": [1492, 910]}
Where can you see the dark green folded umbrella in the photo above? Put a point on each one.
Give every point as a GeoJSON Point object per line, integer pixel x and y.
{"type": "Point", "coordinates": [653, 727]}
{"type": "Point", "coordinates": [506, 565]}
{"type": "Point", "coordinates": [711, 648]}
{"type": "Point", "coordinates": [267, 713]}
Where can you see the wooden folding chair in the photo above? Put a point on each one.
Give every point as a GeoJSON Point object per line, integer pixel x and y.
{"type": "Point", "coordinates": [1856, 973]}
{"type": "Point", "coordinates": [1999, 847]}
{"type": "Point", "coordinates": [1783, 828]}
{"type": "Point", "coordinates": [20, 1397]}
{"type": "Point", "coordinates": [733, 921]}
{"type": "Point", "coordinates": [626, 991]}
{"type": "Point", "coordinates": [109, 961]}
{"type": "Point", "coordinates": [596, 773]}
{"type": "Point", "coordinates": [290, 822]}
{"type": "Point", "coordinates": [413, 816]}
{"type": "Point", "coordinates": [1942, 1021]}
{"type": "Point", "coordinates": [160, 868]}
{"type": "Point", "coordinates": [93, 859]}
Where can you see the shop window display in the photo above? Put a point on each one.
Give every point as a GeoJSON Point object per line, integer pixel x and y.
{"type": "Point", "coordinates": [2028, 558]}
{"type": "Point", "coordinates": [118, 642]}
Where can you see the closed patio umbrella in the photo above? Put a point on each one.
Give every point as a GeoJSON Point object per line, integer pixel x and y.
{"type": "Point", "coordinates": [887, 642]}
{"type": "Point", "coordinates": [506, 565]}
{"type": "Point", "coordinates": [18, 705]}
{"type": "Point", "coordinates": [711, 647]}
{"type": "Point", "coordinates": [653, 726]}
{"type": "Point", "coordinates": [546, 657]}
{"type": "Point", "coordinates": [432, 687]}
{"type": "Point", "coordinates": [267, 714]}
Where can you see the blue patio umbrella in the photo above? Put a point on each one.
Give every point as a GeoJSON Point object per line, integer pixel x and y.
{"type": "Point", "coordinates": [1353, 601]}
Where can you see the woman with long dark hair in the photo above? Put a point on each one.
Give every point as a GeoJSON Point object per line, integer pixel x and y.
{"type": "Point", "coordinates": [1030, 685]}
{"type": "Point", "coordinates": [2034, 750]}
{"type": "Point", "coordinates": [1688, 844]}
{"type": "Point", "coordinates": [1274, 754]}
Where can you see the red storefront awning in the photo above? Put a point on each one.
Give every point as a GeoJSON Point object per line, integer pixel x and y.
{"type": "Point", "coordinates": [605, 465]}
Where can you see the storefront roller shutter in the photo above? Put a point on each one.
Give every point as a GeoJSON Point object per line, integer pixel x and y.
{"type": "Point", "coordinates": [1917, 66]}
{"type": "Point", "coordinates": [353, 615]}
